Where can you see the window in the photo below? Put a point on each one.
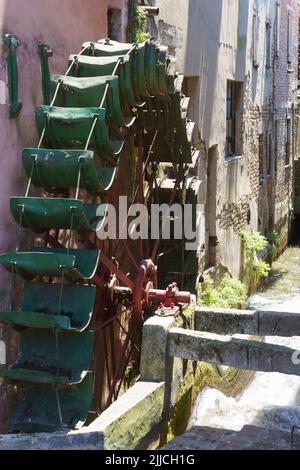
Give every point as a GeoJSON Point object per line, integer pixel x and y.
{"type": "Point", "coordinates": [290, 37]}
{"type": "Point", "coordinates": [190, 88]}
{"type": "Point", "coordinates": [114, 20]}
{"type": "Point", "coordinates": [268, 45]}
{"type": "Point", "coordinates": [233, 115]}
{"type": "Point", "coordinates": [261, 139]}
{"type": "Point", "coordinates": [255, 39]}
{"type": "Point", "coordinates": [269, 152]}
{"type": "Point", "coordinates": [288, 141]}
{"type": "Point", "coordinates": [276, 139]}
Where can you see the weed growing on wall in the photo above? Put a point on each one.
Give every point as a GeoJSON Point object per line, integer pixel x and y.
{"type": "Point", "coordinates": [277, 242]}
{"type": "Point", "coordinates": [254, 243]}
{"type": "Point", "coordinates": [139, 33]}
{"type": "Point", "coordinates": [230, 293]}
{"type": "Point", "coordinates": [273, 237]}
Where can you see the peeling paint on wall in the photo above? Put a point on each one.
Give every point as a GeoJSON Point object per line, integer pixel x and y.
{"type": "Point", "coordinates": [170, 35]}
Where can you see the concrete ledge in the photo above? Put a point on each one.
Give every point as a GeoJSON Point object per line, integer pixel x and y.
{"type": "Point", "coordinates": [129, 423]}
{"type": "Point", "coordinates": [155, 332]}
{"type": "Point", "coordinates": [74, 440]}
{"type": "Point", "coordinates": [248, 322]}
{"type": "Point", "coordinates": [228, 351]}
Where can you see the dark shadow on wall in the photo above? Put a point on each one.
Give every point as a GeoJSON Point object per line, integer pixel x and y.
{"type": "Point", "coordinates": [211, 206]}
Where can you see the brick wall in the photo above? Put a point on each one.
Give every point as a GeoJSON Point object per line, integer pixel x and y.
{"type": "Point", "coordinates": [284, 87]}
{"type": "Point", "coordinates": [270, 184]}
{"type": "Point", "coordinates": [235, 215]}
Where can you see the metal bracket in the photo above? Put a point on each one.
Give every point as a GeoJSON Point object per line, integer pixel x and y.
{"type": "Point", "coordinates": [167, 312]}
{"type": "Point", "coordinates": [45, 52]}
{"type": "Point", "coordinates": [10, 44]}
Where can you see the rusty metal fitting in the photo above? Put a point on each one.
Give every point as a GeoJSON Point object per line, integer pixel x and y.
{"type": "Point", "coordinates": [170, 297]}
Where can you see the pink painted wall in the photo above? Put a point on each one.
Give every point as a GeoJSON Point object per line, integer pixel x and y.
{"type": "Point", "coordinates": [64, 25]}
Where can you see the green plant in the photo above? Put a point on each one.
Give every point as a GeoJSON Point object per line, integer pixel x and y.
{"type": "Point", "coordinates": [262, 268]}
{"type": "Point", "coordinates": [273, 237]}
{"type": "Point", "coordinates": [139, 34]}
{"type": "Point", "coordinates": [275, 242]}
{"type": "Point", "coordinates": [253, 243]}
{"type": "Point", "coordinates": [207, 292]}
{"type": "Point", "coordinates": [231, 293]}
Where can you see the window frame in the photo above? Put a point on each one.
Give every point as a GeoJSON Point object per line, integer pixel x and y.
{"type": "Point", "coordinates": [255, 40]}
{"type": "Point", "coordinates": [269, 153]}
{"type": "Point", "coordinates": [288, 140]}
{"type": "Point", "coordinates": [230, 148]}
{"type": "Point", "coordinates": [276, 146]}
{"type": "Point", "coordinates": [268, 45]}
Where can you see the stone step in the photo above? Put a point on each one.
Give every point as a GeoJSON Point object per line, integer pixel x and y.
{"type": "Point", "coordinates": [249, 438]}
{"type": "Point", "coordinates": [248, 322]}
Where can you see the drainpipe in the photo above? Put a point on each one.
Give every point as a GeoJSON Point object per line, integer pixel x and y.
{"type": "Point", "coordinates": [152, 11]}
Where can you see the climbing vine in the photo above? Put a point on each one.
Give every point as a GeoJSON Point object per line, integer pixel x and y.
{"type": "Point", "coordinates": [230, 293]}
{"type": "Point", "coordinates": [253, 243]}
{"type": "Point", "coordinates": [140, 16]}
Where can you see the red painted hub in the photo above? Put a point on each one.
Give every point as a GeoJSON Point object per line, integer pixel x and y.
{"type": "Point", "coordinates": [170, 297]}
